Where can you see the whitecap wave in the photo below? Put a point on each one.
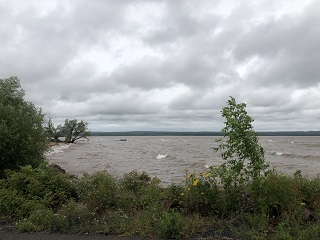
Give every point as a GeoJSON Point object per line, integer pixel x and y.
{"type": "Point", "coordinates": [57, 149]}
{"type": "Point", "coordinates": [164, 140]}
{"type": "Point", "coordinates": [161, 156]}
{"type": "Point", "coordinates": [282, 154]}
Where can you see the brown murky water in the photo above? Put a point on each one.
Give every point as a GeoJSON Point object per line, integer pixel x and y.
{"type": "Point", "coordinates": [168, 157]}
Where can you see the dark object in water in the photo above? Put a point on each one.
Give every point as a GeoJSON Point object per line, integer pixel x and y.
{"type": "Point", "coordinates": [123, 140]}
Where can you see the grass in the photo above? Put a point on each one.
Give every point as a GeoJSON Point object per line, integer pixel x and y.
{"type": "Point", "coordinates": [276, 206]}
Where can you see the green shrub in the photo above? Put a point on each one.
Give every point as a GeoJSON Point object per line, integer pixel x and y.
{"type": "Point", "coordinates": [23, 140]}
{"type": "Point", "coordinates": [310, 190]}
{"type": "Point", "coordinates": [134, 181]}
{"type": "Point", "coordinates": [175, 195]}
{"type": "Point", "coordinates": [171, 225]}
{"type": "Point", "coordinates": [118, 223]}
{"type": "Point", "coordinates": [201, 196]}
{"type": "Point", "coordinates": [29, 189]}
{"type": "Point", "coordinates": [240, 147]}
{"type": "Point", "coordinates": [310, 231]}
{"type": "Point", "coordinates": [79, 218]}
{"type": "Point", "coordinates": [206, 195]}
{"type": "Point", "coordinates": [252, 226]}
{"type": "Point", "coordinates": [98, 192]}
{"type": "Point", "coordinates": [138, 192]}
{"type": "Point", "coordinates": [10, 202]}
{"type": "Point", "coordinates": [43, 220]}
{"type": "Point", "coordinates": [143, 222]}
{"type": "Point", "coordinates": [278, 196]}
{"type": "Point", "coordinates": [224, 188]}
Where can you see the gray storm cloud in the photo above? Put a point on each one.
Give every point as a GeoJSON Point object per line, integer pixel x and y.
{"type": "Point", "coordinates": [165, 65]}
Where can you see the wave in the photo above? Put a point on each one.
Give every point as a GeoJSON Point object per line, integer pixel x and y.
{"type": "Point", "coordinates": [57, 149]}
{"type": "Point", "coordinates": [311, 157]}
{"type": "Point", "coordinates": [287, 154]}
{"type": "Point", "coordinates": [160, 156]}
{"type": "Point", "coordinates": [282, 154]}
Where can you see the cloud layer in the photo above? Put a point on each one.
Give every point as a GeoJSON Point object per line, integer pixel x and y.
{"type": "Point", "coordinates": [165, 65]}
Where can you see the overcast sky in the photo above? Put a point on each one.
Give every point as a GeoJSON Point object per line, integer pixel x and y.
{"type": "Point", "coordinates": [166, 65]}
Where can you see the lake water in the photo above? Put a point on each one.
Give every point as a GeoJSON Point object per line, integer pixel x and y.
{"type": "Point", "coordinates": [168, 157]}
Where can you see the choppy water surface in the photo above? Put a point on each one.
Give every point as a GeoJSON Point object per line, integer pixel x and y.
{"type": "Point", "coordinates": [168, 157]}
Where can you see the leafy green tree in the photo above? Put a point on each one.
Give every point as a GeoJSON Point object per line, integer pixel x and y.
{"type": "Point", "coordinates": [57, 133]}
{"type": "Point", "coordinates": [22, 136]}
{"type": "Point", "coordinates": [54, 133]}
{"type": "Point", "coordinates": [240, 146]}
{"type": "Point", "coordinates": [73, 130]}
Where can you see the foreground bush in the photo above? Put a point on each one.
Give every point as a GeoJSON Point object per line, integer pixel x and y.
{"type": "Point", "coordinates": [44, 199]}
{"type": "Point", "coordinates": [30, 189]}
{"type": "Point", "coordinates": [23, 140]}
{"type": "Point", "coordinates": [98, 191]}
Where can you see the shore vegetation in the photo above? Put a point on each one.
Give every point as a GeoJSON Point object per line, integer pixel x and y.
{"type": "Point", "coordinates": [71, 131]}
{"type": "Point", "coordinates": [23, 140]}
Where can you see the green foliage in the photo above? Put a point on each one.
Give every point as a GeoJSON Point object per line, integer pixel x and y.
{"type": "Point", "coordinates": [44, 199]}
{"type": "Point", "coordinates": [269, 203]}
{"type": "Point", "coordinates": [207, 196]}
{"type": "Point", "coordinates": [310, 190]}
{"type": "Point", "coordinates": [79, 218]}
{"type": "Point", "coordinates": [171, 225]}
{"type": "Point", "coordinates": [143, 222]}
{"type": "Point", "coordinates": [29, 189]}
{"type": "Point", "coordinates": [54, 133]}
{"type": "Point", "coordinates": [73, 130]}
{"type": "Point", "coordinates": [223, 188]}
{"type": "Point", "coordinates": [138, 190]}
{"type": "Point", "coordinates": [43, 220]}
{"type": "Point", "coordinates": [99, 192]}
{"type": "Point", "coordinates": [175, 194]}
{"type": "Point", "coordinates": [244, 155]}
{"type": "Point", "coordinates": [135, 182]}
{"type": "Point", "coordinates": [278, 196]}
{"type": "Point", "coordinates": [22, 136]}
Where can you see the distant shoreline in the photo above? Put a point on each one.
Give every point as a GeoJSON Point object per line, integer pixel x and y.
{"type": "Point", "coordinates": [204, 133]}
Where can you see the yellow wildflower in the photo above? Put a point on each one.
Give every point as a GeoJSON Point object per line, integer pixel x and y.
{"type": "Point", "coordinates": [207, 174]}
{"type": "Point", "coordinates": [182, 194]}
{"type": "Point", "coordinates": [195, 182]}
